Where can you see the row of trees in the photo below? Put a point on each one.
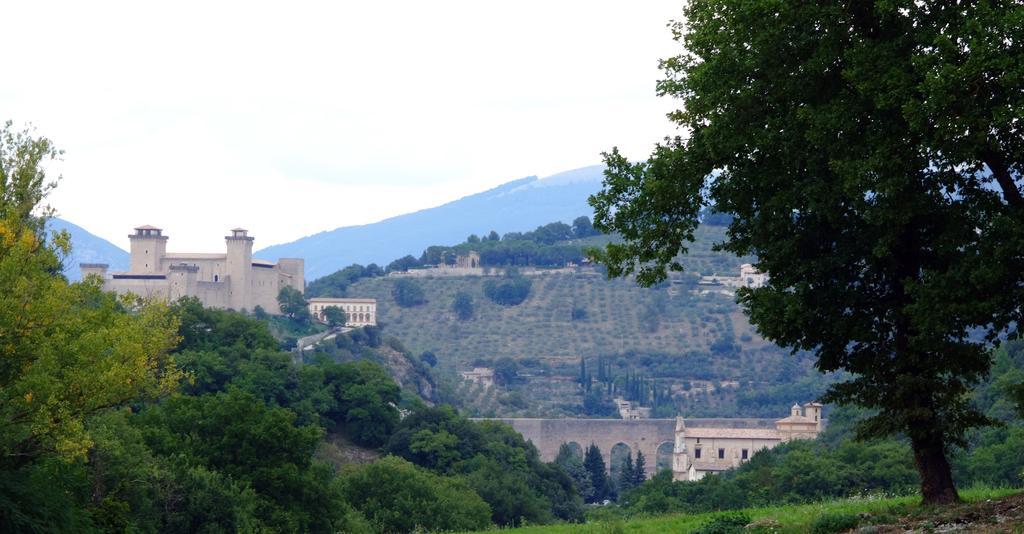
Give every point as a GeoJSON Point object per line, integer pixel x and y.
{"type": "Point", "coordinates": [539, 248]}
{"type": "Point", "coordinates": [631, 386]}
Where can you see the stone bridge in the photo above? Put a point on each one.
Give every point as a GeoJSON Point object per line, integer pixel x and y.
{"type": "Point", "coordinates": [617, 437]}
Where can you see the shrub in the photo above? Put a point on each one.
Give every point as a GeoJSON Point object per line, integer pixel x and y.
{"type": "Point", "coordinates": [396, 496]}
{"type": "Point", "coordinates": [407, 293]}
{"type": "Point", "coordinates": [836, 522]}
{"type": "Point", "coordinates": [509, 292]}
{"type": "Point", "coordinates": [725, 524]}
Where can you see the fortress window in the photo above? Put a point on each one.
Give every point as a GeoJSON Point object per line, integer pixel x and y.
{"type": "Point", "coordinates": [216, 278]}
{"type": "Point", "coordinates": [745, 454]}
{"type": "Point", "coordinates": [721, 454]}
{"type": "Point", "coordinates": [696, 453]}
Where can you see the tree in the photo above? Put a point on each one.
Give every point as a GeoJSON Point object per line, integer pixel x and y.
{"type": "Point", "coordinates": [429, 358]}
{"type": "Point", "coordinates": [594, 464]}
{"type": "Point", "coordinates": [510, 291]}
{"type": "Point", "coordinates": [627, 474]}
{"type": "Point", "coordinates": [463, 306]}
{"type": "Point", "coordinates": [870, 156]}
{"type": "Point", "coordinates": [582, 227]}
{"type": "Point", "coordinates": [404, 264]}
{"type": "Point", "coordinates": [293, 304]}
{"type": "Point", "coordinates": [70, 351]}
{"type": "Point", "coordinates": [397, 496]}
{"type": "Point", "coordinates": [639, 469]}
{"type": "Point", "coordinates": [407, 293]}
{"type": "Point", "coordinates": [335, 316]}
{"type": "Point", "coordinates": [571, 461]}
{"type": "Point", "coordinates": [506, 371]}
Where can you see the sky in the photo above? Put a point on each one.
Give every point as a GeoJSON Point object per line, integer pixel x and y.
{"type": "Point", "coordinates": [291, 118]}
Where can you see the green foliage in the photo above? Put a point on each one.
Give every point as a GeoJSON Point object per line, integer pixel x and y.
{"type": "Point", "coordinates": [293, 304]}
{"type": "Point", "coordinates": [462, 305]}
{"type": "Point", "coordinates": [734, 523]}
{"type": "Point", "coordinates": [830, 523]}
{"type": "Point", "coordinates": [69, 351]}
{"type": "Point", "coordinates": [506, 371]}
{"type": "Point", "coordinates": [335, 316]}
{"type": "Point", "coordinates": [510, 291]}
{"type": "Point", "coordinates": [396, 496]}
{"type": "Point", "coordinates": [336, 284]}
{"type": "Point", "coordinates": [593, 462]}
{"type": "Point", "coordinates": [497, 463]}
{"type": "Point", "coordinates": [407, 293]}
{"type": "Point", "coordinates": [878, 189]}
{"type": "Point", "coordinates": [798, 471]}
{"type": "Point", "coordinates": [571, 461]}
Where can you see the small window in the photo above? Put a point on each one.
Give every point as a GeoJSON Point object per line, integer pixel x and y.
{"type": "Point", "coordinates": [745, 454]}
{"type": "Point", "coordinates": [696, 452]}
{"type": "Point", "coordinates": [721, 454]}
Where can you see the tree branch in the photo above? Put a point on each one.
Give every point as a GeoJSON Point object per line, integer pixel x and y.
{"type": "Point", "coordinates": [1001, 170]}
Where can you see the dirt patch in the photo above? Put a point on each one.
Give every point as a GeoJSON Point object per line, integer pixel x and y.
{"type": "Point", "coordinates": [988, 516]}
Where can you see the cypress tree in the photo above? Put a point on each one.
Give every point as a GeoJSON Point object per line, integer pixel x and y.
{"type": "Point", "coordinates": [594, 464]}
{"type": "Point", "coordinates": [627, 475]}
{"type": "Point", "coordinates": [639, 469]}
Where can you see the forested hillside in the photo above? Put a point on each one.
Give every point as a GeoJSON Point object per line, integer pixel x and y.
{"type": "Point", "coordinates": [697, 345]}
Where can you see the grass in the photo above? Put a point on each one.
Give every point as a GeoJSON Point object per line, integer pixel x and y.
{"type": "Point", "coordinates": [790, 518]}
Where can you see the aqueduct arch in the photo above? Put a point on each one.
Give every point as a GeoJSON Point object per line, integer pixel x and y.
{"type": "Point", "coordinates": [644, 435]}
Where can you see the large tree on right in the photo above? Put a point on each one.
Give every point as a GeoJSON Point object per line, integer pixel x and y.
{"type": "Point", "coordinates": [871, 156]}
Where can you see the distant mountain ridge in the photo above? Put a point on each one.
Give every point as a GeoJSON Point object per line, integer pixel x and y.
{"type": "Point", "coordinates": [88, 248]}
{"type": "Point", "coordinates": [516, 206]}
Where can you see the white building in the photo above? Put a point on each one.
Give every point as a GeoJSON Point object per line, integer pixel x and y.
{"type": "Point", "coordinates": [359, 312]}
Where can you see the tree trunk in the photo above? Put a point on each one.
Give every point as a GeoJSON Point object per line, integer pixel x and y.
{"type": "Point", "coordinates": [936, 475]}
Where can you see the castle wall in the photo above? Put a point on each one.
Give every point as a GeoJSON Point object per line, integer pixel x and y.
{"type": "Point", "coordinates": [264, 287]}
{"type": "Point", "coordinates": [211, 266]}
{"type": "Point", "coordinates": [143, 287]}
{"type": "Point", "coordinates": [212, 294]}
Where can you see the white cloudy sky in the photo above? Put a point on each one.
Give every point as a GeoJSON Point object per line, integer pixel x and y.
{"type": "Point", "coordinates": [290, 118]}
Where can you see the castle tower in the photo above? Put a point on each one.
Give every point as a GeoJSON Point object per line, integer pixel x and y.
{"type": "Point", "coordinates": [182, 279]}
{"type": "Point", "coordinates": [238, 267]}
{"type": "Point", "coordinates": [148, 246]}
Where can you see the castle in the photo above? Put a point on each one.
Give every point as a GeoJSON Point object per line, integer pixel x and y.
{"type": "Point", "coordinates": [232, 279]}
{"type": "Point", "coordinates": [725, 448]}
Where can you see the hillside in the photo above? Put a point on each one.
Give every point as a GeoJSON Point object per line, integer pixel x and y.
{"type": "Point", "coordinates": [515, 206]}
{"type": "Point", "coordinates": [88, 248]}
{"type": "Point", "coordinates": [699, 345]}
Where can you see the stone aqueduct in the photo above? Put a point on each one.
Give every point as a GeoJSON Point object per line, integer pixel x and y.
{"type": "Point", "coordinates": [653, 437]}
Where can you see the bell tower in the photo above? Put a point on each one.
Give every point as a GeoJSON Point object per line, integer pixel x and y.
{"type": "Point", "coordinates": [238, 267]}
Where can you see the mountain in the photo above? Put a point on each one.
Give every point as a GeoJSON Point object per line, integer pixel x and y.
{"type": "Point", "coordinates": [88, 248]}
{"type": "Point", "coordinates": [516, 206]}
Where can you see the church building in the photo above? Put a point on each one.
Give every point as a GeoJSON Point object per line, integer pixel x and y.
{"type": "Point", "coordinates": [232, 279]}
{"type": "Point", "coordinates": [699, 451]}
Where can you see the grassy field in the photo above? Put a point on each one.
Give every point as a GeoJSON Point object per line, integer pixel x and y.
{"type": "Point", "coordinates": [793, 518]}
